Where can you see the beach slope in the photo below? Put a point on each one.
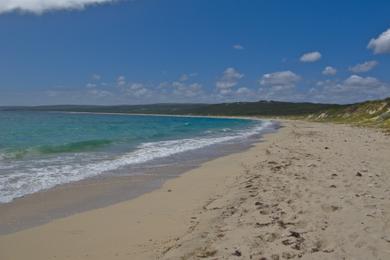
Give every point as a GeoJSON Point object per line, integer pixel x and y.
{"type": "Point", "coordinates": [311, 190]}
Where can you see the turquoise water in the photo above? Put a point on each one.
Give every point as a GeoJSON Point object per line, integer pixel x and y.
{"type": "Point", "coordinates": [39, 150]}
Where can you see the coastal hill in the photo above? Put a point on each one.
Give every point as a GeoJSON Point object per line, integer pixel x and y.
{"type": "Point", "coordinates": [370, 113]}
{"type": "Point", "coordinates": [264, 108]}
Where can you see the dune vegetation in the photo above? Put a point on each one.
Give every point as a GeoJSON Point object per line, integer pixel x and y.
{"type": "Point", "coordinates": [371, 113]}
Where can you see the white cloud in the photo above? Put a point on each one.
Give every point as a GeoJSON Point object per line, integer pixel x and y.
{"type": "Point", "coordinates": [190, 90]}
{"type": "Point", "coordinates": [278, 85]}
{"type": "Point", "coordinates": [41, 6]}
{"type": "Point", "coordinates": [181, 89]}
{"type": "Point", "coordinates": [243, 91]}
{"type": "Point", "coordinates": [100, 93]}
{"type": "Point", "coordinates": [281, 78]}
{"type": "Point", "coordinates": [135, 89]}
{"type": "Point", "coordinates": [238, 47]}
{"type": "Point", "coordinates": [358, 82]}
{"type": "Point", "coordinates": [228, 80]}
{"type": "Point", "coordinates": [329, 71]}
{"type": "Point", "coordinates": [353, 89]}
{"type": "Point", "coordinates": [121, 81]}
{"type": "Point", "coordinates": [380, 44]}
{"type": "Point", "coordinates": [311, 56]}
{"type": "Point", "coordinates": [363, 67]}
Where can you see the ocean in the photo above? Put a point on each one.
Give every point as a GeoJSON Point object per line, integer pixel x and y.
{"type": "Point", "coordinates": [40, 150]}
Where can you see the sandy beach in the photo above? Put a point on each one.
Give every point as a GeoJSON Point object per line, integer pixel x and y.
{"type": "Point", "coordinates": [309, 191]}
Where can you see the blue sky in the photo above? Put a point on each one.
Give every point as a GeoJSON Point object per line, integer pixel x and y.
{"type": "Point", "coordinates": [148, 51]}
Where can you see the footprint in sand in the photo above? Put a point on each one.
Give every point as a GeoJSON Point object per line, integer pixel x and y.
{"type": "Point", "coordinates": [330, 208]}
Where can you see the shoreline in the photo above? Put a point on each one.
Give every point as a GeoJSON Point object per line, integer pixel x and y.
{"type": "Point", "coordinates": [167, 115]}
{"type": "Point", "coordinates": [300, 193]}
{"type": "Point", "coordinates": [100, 191]}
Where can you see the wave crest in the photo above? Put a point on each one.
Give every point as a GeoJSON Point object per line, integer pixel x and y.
{"type": "Point", "coordinates": [41, 178]}
{"type": "Point", "coordinates": [73, 147]}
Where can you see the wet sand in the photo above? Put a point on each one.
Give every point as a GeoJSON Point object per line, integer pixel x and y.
{"type": "Point", "coordinates": [107, 189]}
{"type": "Point", "coordinates": [310, 191]}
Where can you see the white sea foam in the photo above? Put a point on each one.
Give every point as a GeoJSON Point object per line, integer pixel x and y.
{"type": "Point", "coordinates": [47, 174]}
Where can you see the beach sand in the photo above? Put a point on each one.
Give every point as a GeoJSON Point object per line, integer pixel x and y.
{"type": "Point", "coordinates": [311, 190]}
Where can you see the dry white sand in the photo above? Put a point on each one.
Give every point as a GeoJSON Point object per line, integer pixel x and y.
{"type": "Point", "coordinates": [315, 191]}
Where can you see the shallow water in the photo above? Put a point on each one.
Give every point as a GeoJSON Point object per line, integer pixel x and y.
{"type": "Point", "coordinates": [39, 150]}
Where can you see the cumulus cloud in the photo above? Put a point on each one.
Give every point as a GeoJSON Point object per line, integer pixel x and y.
{"type": "Point", "coordinates": [238, 47]}
{"type": "Point", "coordinates": [181, 88]}
{"type": "Point", "coordinates": [243, 91]}
{"type": "Point", "coordinates": [329, 71]}
{"type": "Point", "coordinates": [136, 90]}
{"type": "Point", "coordinates": [100, 93]}
{"type": "Point", "coordinates": [228, 80]}
{"type": "Point", "coordinates": [381, 44]}
{"type": "Point", "coordinates": [353, 89]}
{"type": "Point", "coordinates": [121, 81]}
{"type": "Point", "coordinates": [186, 90]}
{"type": "Point", "coordinates": [283, 79]}
{"type": "Point", "coordinates": [41, 6]}
{"type": "Point", "coordinates": [363, 67]}
{"type": "Point", "coordinates": [131, 89]}
{"type": "Point", "coordinates": [278, 85]}
{"type": "Point", "coordinates": [311, 56]}
{"type": "Point", "coordinates": [366, 84]}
